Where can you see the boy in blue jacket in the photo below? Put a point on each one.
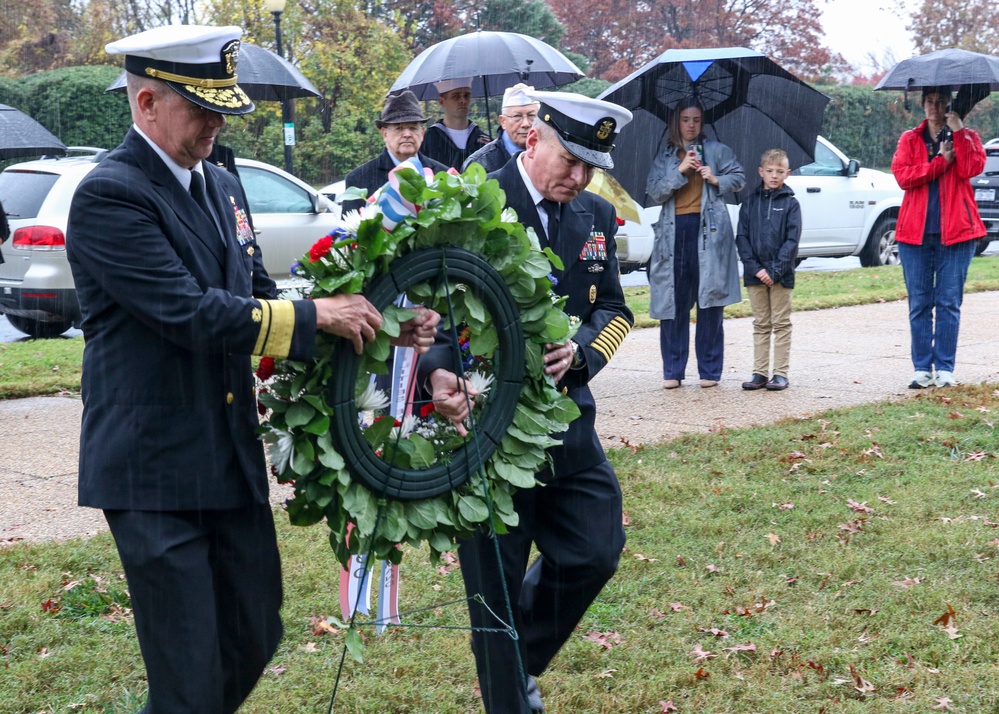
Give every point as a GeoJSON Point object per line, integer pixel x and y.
{"type": "Point", "coordinates": [767, 240]}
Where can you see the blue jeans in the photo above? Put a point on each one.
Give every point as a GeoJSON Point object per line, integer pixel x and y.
{"type": "Point", "coordinates": [674, 335]}
{"type": "Point", "coordinates": [934, 278]}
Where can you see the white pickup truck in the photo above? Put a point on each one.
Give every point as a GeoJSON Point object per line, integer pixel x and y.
{"type": "Point", "coordinates": [845, 210]}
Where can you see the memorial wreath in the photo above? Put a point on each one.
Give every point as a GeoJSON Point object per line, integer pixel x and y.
{"type": "Point", "coordinates": [381, 480]}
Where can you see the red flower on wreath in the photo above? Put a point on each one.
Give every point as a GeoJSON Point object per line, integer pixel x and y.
{"type": "Point", "coordinates": [320, 248]}
{"type": "Point", "coordinates": [265, 370]}
{"type": "Point", "coordinates": [427, 409]}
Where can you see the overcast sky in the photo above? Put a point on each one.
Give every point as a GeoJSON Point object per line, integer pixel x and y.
{"type": "Point", "coordinates": [859, 28]}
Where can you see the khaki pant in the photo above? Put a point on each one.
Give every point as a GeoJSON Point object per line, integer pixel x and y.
{"type": "Point", "coordinates": [771, 315]}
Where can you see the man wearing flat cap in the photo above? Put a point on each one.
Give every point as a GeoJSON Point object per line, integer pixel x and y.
{"type": "Point", "coordinates": [175, 300]}
{"type": "Point", "coordinates": [516, 118]}
{"type": "Point", "coordinates": [454, 138]}
{"type": "Point", "coordinates": [402, 127]}
{"type": "Point", "coordinates": [574, 519]}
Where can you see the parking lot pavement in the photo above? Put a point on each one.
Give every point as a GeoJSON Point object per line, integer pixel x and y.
{"type": "Point", "coordinates": [839, 358]}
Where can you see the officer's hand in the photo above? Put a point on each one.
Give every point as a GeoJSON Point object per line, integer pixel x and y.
{"type": "Point", "coordinates": [349, 316]}
{"type": "Point", "coordinates": [419, 331]}
{"type": "Point", "coordinates": [452, 397]}
{"type": "Point", "coordinates": [558, 359]}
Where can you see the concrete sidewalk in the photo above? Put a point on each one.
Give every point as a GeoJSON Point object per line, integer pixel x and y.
{"type": "Point", "coordinates": [839, 358]}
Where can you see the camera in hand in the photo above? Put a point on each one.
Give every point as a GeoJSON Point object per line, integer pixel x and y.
{"type": "Point", "coordinates": [945, 134]}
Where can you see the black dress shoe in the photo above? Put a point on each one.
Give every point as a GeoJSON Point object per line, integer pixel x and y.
{"type": "Point", "coordinates": [777, 383]}
{"type": "Point", "coordinates": [534, 696]}
{"type": "Point", "coordinates": [757, 381]}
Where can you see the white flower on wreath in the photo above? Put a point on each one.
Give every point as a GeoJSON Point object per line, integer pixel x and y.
{"type": "Point", "coordinates": [409, 425]}
{"type": "Point", "coordinates": [372, 399]}
{"type": "Point", "coordinates": [508, 215]}
{"type": "Point", "coordinates": [280, 448]}
{"type": "Point", "coordinates": [480, 382]}
{"type": "Point", "coordinates": [351, 221]}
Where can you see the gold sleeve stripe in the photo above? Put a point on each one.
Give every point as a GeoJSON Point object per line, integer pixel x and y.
{"type": "Point", "coordinates": [277, 326]}
{"type": "Point", "coordinates": [611, 337]}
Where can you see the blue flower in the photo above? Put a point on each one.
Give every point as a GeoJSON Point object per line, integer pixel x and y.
{"type": "Point", "coordinates": [553, 279]}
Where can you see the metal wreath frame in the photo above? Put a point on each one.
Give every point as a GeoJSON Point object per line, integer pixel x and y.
{"type": "Point", "coordinates": [401, 484]}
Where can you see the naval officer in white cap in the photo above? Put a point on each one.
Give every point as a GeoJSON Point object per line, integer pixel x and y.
{"type": "Point", "coordinates": [174, 301]}
{"type": "Point", "coordinates": [575, 518]}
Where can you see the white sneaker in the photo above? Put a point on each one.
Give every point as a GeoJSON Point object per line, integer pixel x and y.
{"type": "Point", "coordinates": [946, 379]}
{"type": "Point", "coordinates": [921, 380]}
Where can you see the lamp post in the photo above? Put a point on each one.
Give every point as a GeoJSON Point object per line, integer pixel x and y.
{"type": "Point", "coordinates": [276, 7]}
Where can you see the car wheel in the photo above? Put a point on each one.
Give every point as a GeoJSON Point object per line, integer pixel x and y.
{"type": "Point", "coordinates": [38, 328]}
{"type": "Point", "coordinates": [983, 243]}
{"type": "Point", "coordinates": [881, 248]}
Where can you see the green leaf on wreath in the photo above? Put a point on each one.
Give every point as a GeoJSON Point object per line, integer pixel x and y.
{"type": "Point", "coordinates": [353, 193]}
{"type": "Point", "coordinates": [393, 523]}
{"type": "Point", "coordinates": [557, 326]}
{"type": "Point", "coordinates": [423, 455]}
{"type": "Point", "coordinates": [411, 185]}
{"type": "Point", "coordinates": [484, 344]}
{"type": "Point", "coordinates": [377, 433]}
{"type": "Point", "coordinates": [519, 477]}
{"type": "Point", "coordinates": [555, 260]}
{"type": "Point", "coordinates": [422, 514]}
{"type": "Point", "coordinates": [379, 348]}
{"type": "Point", "coordinates": [299, 414]}
{"type": "Point", "coordinates": [321, 425]}
{"type": "Point", "coordinates": [355, 645]}
{"type": "Point", "coordinates": [360, 503]}
{"type": "Point", "coordinates": [473, 509]}
{"type": "Point", "coordinates": [477, 314]}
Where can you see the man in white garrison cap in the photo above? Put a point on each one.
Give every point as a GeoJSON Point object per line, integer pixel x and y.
{"type": "Point", "coordinates": [575, 518]}
{"type": "Point", "coordinates": [454, 138]}
{"type": "Point", "coordinates": [516, 118]}
{"type": "Point", "coordinates": [175, 299]}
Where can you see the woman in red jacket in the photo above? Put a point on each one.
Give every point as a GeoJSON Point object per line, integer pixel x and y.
{"type": "Point", "coordinates": [938, 225]}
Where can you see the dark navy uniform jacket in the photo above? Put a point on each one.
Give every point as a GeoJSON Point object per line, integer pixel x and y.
{"type": "Point", "coordinates": [170, 319]}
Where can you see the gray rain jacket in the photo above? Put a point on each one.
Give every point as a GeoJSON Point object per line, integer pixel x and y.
{"type": "Point", "coordinates": [719, 266]}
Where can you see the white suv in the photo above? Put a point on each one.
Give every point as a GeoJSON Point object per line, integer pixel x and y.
{"type": "Point", "coordinates": [845, 210]}
{"type": "Point", "coordinates": [37, 293]}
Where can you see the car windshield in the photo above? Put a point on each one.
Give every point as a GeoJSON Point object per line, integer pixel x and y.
{"type": "Point", "coordinates": [270, 193]}
{"type": "Point", "coordinates": [826, 163]}
{"type": "Point", "coordinates": [991, 162]}
{"type": "Point", "coordinates": [22, 192]}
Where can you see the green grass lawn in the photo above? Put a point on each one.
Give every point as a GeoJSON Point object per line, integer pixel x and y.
{"type": "Point", "coordinates": [841, 563]}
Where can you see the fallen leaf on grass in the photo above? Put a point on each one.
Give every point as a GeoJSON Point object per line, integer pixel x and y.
{"type": "Point", "coordinates": [667, 707]}
{"type": "Point", "coordinates": [908, 582]}
{"type": "Point", "coordinates": [945, 619]}
{"type": "Point", "coordinates": [681, 562]}
{"type": "Point", "coordinates": [859, 683]}
{"type": "Point", "coordinates": [712, 568]}
{"type": "Point", "coordinates": [700, 654]}
{"type": "Point", "coordinates": [860, 507]}
{"type": "Point", "coordinates": [310, 647]}
{"type": "Point", "coordinates": [955, 415]}
{"type": "Point", "coordinates": [952, 632]}
{"type": "Point", "coordinates": [276, 671]}
{"type": "Point", "coordinates": [784, 506]}
{"type": "Point", "coordinates": [701, 674]}
{"type": "Point", "coordinates": [943, 704]}
{"type": "Point", "coordinates": [320, 625]}
{"type": "Point", "coordinates": [645, 558]}
{"type": "Point", "coordinates": [606, 640]}
{"type": "Point", "coordinates": [773, 538]}
{"type": "Point", "coordinates": [606, 674]}
{"type": "Point", "coordinates": [748, 647]}
{"type": "Point", "coordinates": [713, 631]}
{"type": "Point", "coordinates": [976, 456]}
{"type": "Point", "coordinates": [677, 606]}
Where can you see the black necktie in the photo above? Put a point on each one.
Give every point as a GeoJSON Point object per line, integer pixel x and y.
{"type": "Point", "coordinates": [201, 198]}
{"type": "Point", "coordinates": [554, 211]}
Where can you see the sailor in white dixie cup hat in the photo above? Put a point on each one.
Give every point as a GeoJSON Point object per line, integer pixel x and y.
{"type": "Point", "coordinates": [516, 117]}
{"type": "Point", "coordinates": [454, 138]}
{"type": "Point", "coordinates": [196, 61]}
{"type": "Point", "coordinates": [574, 520]}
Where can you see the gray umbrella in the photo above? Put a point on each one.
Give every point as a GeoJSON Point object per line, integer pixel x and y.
{"type": "Point", "coordinates": [973, 74]}
{"type": "Point", "coordinates": [494, 60]}
{"type": "Point", "coordinates": [750, 103]}
{"type": "Point", "coordinates": [263, 75]}
{"type": "Point", "coordinates": [20, 135]}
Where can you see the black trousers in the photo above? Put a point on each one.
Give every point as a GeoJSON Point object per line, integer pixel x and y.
{"type": "Point", "coordinates": [575, 521]}
{"type": "Point", "coordinates": [206, 591]}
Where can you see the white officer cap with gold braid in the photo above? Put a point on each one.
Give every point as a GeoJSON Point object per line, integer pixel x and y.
{"type": "Point", "coordinates": [196, 61]}
{"type": "Point", "coordinates": [585, 127]}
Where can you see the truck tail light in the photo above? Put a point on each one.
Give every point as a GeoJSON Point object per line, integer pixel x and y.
{"type": "Point", "coordinates": [39, 238]}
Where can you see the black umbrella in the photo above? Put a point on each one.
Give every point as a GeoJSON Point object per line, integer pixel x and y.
{"type": "Point", "coordinates": [494, 61]}
{"type": "Point", "coordinates": [750, 103]}
{"type": "Point", "coordinates": [973, 74]}
{"type": "Point", "coordinates": [20, 135]}
{"type": "Point", "coordinates": [263, 75]}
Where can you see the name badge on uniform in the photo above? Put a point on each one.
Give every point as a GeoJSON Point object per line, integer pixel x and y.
{"type": "Point", "coordinates": [244, 233]}
{"type": "Point", "coordinates": [595, 247]}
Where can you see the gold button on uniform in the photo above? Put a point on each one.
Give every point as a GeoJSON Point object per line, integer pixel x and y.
{"type": "Point", "coordinates": [229, 398]}
{"type": "Point", "coordinates": [249, 251]}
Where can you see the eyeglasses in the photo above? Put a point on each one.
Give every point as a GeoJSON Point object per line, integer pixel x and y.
{"type": "Point", "coordinates": [517, 118]}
